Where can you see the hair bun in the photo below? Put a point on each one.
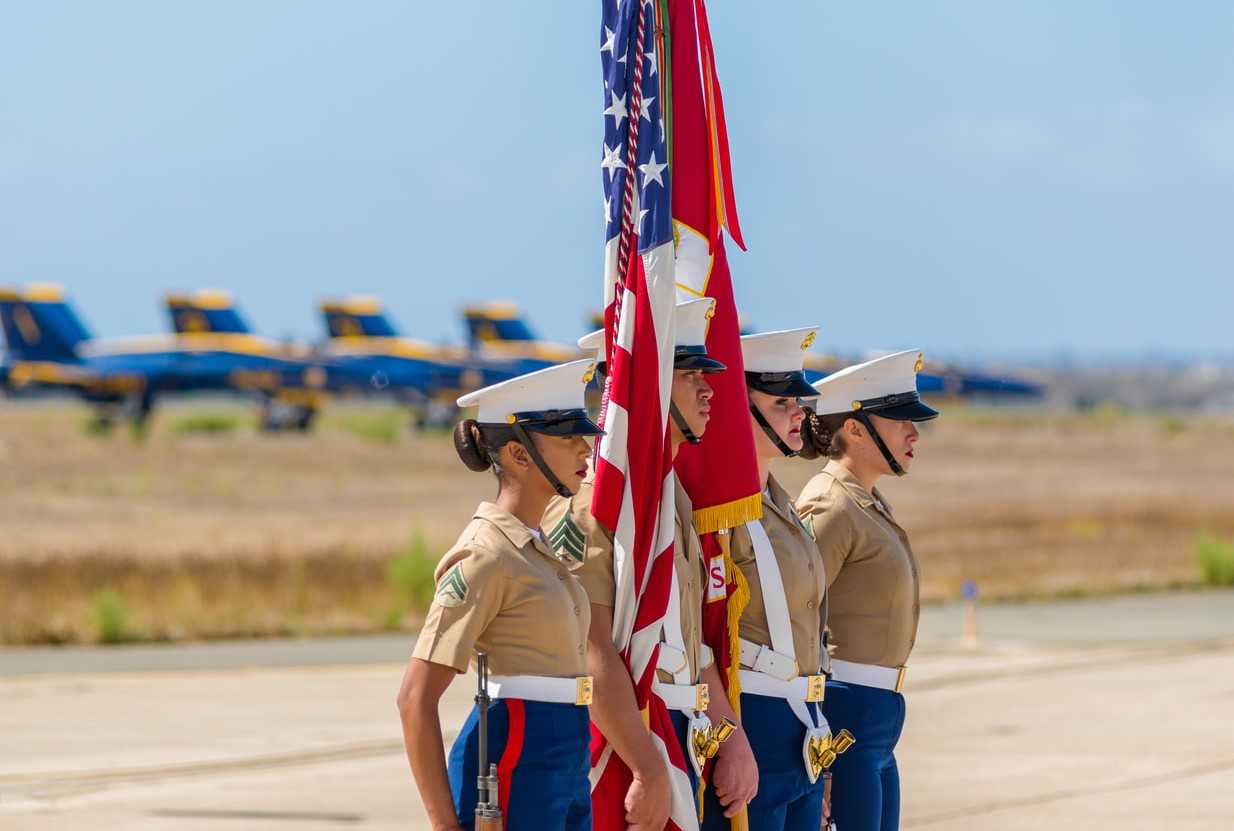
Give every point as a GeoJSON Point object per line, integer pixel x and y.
{"type": "Point", "coordinates": [467, 445]}
{"type": "Point", "coordinates": [813, 444]}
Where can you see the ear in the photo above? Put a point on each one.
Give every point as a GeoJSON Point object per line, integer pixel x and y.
{"type": "Point", "coordinates": [854, 428]}
{"type": "Point", "coordinates": [518, 455]}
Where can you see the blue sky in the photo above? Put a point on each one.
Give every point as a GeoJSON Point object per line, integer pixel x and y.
{"type": "Point", "coordinates": [978, 179]}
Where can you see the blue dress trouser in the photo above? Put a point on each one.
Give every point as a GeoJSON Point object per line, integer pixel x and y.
{"type": "Point", "coordinates": [786, 801]}
{"type": "Point", "coordinates": [865, 786]}
{"type": "Point", "coordinates": [542, 755]}
{"type": "Point", "coordinates": [681, 725]}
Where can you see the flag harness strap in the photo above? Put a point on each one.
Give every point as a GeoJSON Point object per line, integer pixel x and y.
{"type": "Point", "coordinates": [671, 637]}
{"type": "Point", "coordinates": [775, 606]}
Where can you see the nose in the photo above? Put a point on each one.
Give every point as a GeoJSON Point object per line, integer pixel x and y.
{"type": "Point", "coordinates": [704, 389]}
{"type": "Point", "coordinates": [913, 432]}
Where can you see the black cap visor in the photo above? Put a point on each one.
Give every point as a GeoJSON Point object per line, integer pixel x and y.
{"type": "Point", "coordinates": [912, 409]}
{"type": "Point", "coordinates": [781, 384]}
{"type": "Point", "coordinates": [559, 423]}
{"type": "Point", "coordinates": [695, 357]}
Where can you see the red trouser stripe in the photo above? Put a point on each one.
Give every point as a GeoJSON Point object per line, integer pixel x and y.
{"type": "Point", "coordinates": [512, 753]}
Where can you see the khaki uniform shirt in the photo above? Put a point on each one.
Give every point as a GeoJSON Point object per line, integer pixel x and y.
{"type": "Point", "coordinates": [575, 533]}
{"type": "Point", "coordinates": [801, 571]}
{"type": "Point", "coordinates": [501, 590]}
{"type": "Point", "coordinates": [872, 575]}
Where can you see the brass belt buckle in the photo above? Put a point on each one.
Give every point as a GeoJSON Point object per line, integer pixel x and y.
{"type": "Point", "coordinates": [582, 690]}
{"type": "Point", "coordinates": [900, 679]}
{"type": "Point", "coordinates": [702, 697]}
{"type": "Point", "coordinates": [816, 688]}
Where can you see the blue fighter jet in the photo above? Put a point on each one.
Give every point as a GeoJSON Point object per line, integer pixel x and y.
{"type": "Point", "coordinates": [49, 347]}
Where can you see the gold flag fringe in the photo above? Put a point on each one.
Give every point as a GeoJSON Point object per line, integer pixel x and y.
{"type": "Point", "coordinates": [729, 514]}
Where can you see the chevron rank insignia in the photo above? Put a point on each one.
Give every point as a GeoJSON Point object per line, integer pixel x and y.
{"type": "Point", "coordinates": [567, 539]}
{"type": "Point", "coordinates": [452, 588]}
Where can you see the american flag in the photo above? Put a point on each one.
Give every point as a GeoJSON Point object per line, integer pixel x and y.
{"type": "Point", "coordinates": [634, 490]}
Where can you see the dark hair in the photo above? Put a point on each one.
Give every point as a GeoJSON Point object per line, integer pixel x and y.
{"type": "Point", "coordinates": [821, 437]}
{"type": "Point", "coordinates": [478, 446]}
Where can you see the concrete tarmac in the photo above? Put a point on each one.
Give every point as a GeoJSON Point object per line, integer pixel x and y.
{"type": "Point", "coordinates": [1111, 713]}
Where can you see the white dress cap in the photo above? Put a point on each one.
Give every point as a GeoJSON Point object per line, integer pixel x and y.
{"type": "Point", "coordinates": [593, 342]}
{"type": "Point", "coordinates": [560, 387]}
{"type": "Point", "coordinates": [782, 351]}
{"type": "Point", "coordinates": [845, 390]}
{"type": "Point", "coordinates": [691, 319]}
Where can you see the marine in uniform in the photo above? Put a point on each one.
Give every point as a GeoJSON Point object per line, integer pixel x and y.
{"type": "Point", "coordinates": [782, 645]}
{"type": "Point", "coordinates": [865, 423]}
{"type": "Point", "coordinates": [502, 590]}
{"type": "Point", "coordinates": [687, 680]}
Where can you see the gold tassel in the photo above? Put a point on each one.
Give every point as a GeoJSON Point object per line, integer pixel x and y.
{"type": "Point", "coordinates": [728, 515]}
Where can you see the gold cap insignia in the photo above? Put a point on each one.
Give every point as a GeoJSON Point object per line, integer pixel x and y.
{"type": "Point", "coordinates": [920, 363]}
{"type": "Point", "coordinates": [510, 419]}
{"type": "Point", "coordinates": [856, 405]}
{"type": "Point", "coordinates": [808, 342]}
{"type": "Point", "coordinates": [590, 373]}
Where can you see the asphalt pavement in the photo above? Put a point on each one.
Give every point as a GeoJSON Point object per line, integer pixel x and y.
{"type": "Point", "coordinates": [1109, 713]}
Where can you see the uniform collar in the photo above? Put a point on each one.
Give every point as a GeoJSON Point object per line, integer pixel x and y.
{"type": "Point", "coordinates": [777, 498]}
{"type": "Point", "coordinates": [857, 491]}
{"type": "Point", "coordinates": [684, 505]}
{"type": "Point", "coordinates": [845, 477]}
{"type": "Point", "coordinates": [510, 525]}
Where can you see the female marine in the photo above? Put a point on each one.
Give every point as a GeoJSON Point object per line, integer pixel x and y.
{"type": "Point", "coordinates": [501, 590]}
{"type": "Point", "coordinates": [782, 650]}
{"type": "Point", "coordinates": [865, 424]}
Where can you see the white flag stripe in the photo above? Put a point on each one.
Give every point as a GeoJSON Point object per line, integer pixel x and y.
{"type": "Point", "coordinates": [616, 428]}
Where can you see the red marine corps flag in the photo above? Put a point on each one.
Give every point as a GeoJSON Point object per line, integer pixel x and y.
{"type": "Point", "coordinates": [634, 485]}
{"type": "Point", "coordinates": [721, 473]}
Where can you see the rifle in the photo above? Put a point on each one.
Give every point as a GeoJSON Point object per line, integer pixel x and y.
{"type": "Point", "coordinates": [488, 812]}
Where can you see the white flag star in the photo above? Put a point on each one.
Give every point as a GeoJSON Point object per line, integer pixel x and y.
{"type": "Point", "coordinates": [652, 63]}
{"type": "Point", "coordinates": [613, 160]}
{"type": "Point", "coordinates": [608, 44]}
{"type": "Point", "coordinates": [645, 108]}
{"type": "Point", "coordinates": [617, 109]}
{"type": "Point", "coordinates": [642, 214]}
{"type": "Point", "coordinates": [652, 171]}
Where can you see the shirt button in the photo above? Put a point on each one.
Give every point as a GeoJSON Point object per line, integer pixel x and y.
{"type": "Point", "coordinates": [561, 575]}
{"type": "Point", "coordinates": [576, 613]}
{"type": "Point", "coordinates": [580, 650]}
{"type": "Point", "coordinates": [810, 566]}
{"type": "Point", "coordinates": [810, 604]}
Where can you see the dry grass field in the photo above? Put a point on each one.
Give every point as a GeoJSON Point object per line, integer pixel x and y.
{"type": "Point", "coordinates": [189, 533]}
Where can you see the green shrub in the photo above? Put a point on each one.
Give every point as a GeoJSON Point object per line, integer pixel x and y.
{"type": "Point", "coordinates": [382, 426]}
{"type": "Point", "coordinates": [210, 424]}
{"type": "Point", "coordinates": [111, 618]}
{"type": "Point", "coordinates": [1215, 559]}
{"type": "Point", "coordinates": [411, 573]}
{"type": "Point", "coordinates": [98, 427]}
{"type": "Point", "coordinates": [1172, 424]}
